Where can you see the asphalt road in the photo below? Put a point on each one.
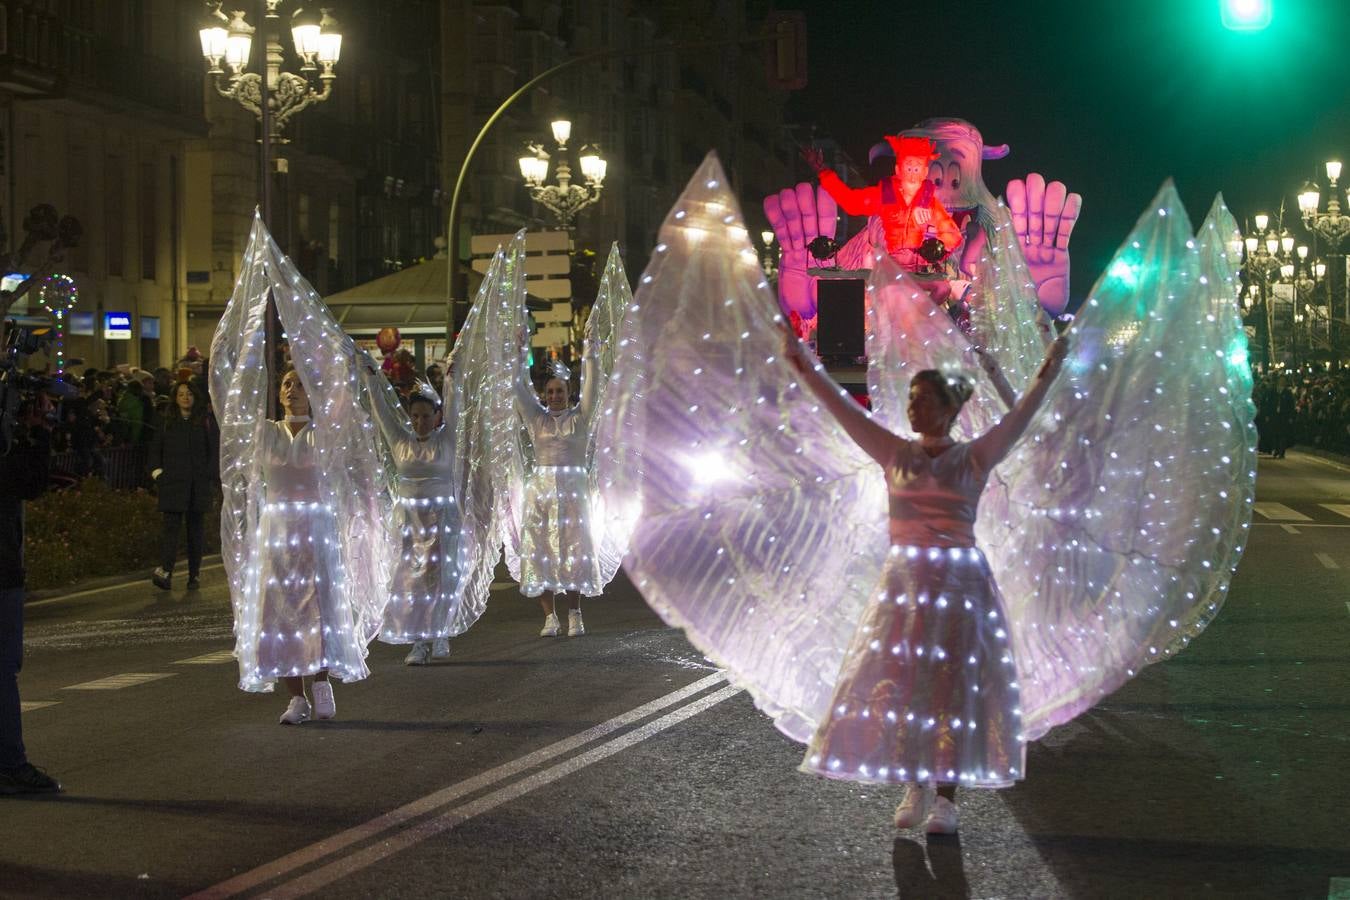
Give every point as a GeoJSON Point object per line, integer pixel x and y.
{"type": "Point", "coordinates": [620, 764]}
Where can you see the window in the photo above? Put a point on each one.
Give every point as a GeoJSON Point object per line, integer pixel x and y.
{"type": "Point", "coordinates": [149, 228]}
{"type": "Point", "coordinates": [149, 341]}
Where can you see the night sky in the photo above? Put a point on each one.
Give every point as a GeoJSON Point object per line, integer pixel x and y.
{"type": "Point", "coordinates": [1109, 96]}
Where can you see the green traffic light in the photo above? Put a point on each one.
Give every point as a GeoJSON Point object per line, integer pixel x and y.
{"type": "Point", "coordinates": [1246, 15]}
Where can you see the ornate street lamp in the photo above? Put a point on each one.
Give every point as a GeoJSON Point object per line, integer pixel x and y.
{"type": "Point", "coordinates": [317, 43]}
{"type": "Point", "coordinates": [1332, 226]}
{"type": "Point", "coordinates": [273, 95]}
{"type": "Point", "coordinates": [1266, 254]}
{"type": "Point", "coordinates": [564, 199]}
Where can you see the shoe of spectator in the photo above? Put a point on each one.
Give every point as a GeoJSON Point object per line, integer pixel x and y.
{"type": "Point", "coordinates": [194, 583]}
{"type": "Point", "coordinates": [325, 707]}
{"type": "Point", "coordinates": [297, 712]}
{"type": "Point", "coordinates": [27, 779]}
{"type": "Point", "coordinates": [419, 655]}
{"type": "Point", "coordinates": [551, 626]}
{"type": "Point", "coordinates": [440, 648]}
{"type": "Point", "coordinates": [575, 627]}
{"type": "Point", "coordinates": [162, 580]}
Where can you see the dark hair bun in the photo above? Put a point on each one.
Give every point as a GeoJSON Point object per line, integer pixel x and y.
{"type": "Point", "coordinates": [961, 387]}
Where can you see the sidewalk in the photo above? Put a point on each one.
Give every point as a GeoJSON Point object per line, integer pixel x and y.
{"type": "Point", "coordinates": [104, 583]}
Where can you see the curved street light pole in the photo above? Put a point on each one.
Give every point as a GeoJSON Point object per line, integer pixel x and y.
{"type": "Point", "coordinates": [457, 285]}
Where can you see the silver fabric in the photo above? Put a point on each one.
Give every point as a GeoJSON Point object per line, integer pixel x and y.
{"type": "Point", "coordinates": [928, 691]}
{"type": "Point", "coordinates": [335, 471]}
{"type": "Point", "coordinates": [1112, 528]}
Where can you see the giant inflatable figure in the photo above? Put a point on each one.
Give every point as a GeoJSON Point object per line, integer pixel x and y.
{"type": "Point", "coordinates": [1033, 229]}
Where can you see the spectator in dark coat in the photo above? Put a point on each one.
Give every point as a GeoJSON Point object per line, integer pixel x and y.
{"type": "Point", "coordinates": [185, 468]}
{"type": "Point", "coordinates": [1281, 419]}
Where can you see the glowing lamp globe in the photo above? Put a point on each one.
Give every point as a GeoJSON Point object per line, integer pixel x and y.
{"type": "Point", "coordinates": [1246, 15]}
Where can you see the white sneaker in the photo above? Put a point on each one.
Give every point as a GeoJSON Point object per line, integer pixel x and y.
{"type": "Point", "coordinates": [552, 627]}
{"type": "Point", "coordinates": [943, 818]}
{"type": "Point", "coordinates": [296, 712]}
{"type": "Point", "coordinates": [419, 655]}
{"type": "Point", "coordinates": [914, 808]}
{"type": "Point", "coordinates": [440, 649]}
{"type": "Point", "coordinates": [325, 707]}
{"type": "Point", "coordinates": [575, 627]}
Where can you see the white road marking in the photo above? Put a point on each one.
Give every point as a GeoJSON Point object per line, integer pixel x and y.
{"type": "Point", "coordinates": [207, 659]}
{"type": "Point", "coordinates": [396, 843]}
{"type": "Point", "coordinates": [1326, 462]}
{"type": "Point", "coordinates": [1347, 606]}
{"type": "Point", "coordinates": [1340, 509]}
{"type": "Point", "coordinates": [30, 705]}
{"type": "Point", "coordinates": [1326, 560]}
{"type": "Point", "coordinates": [1279, 511]}
{"type": "Point", "coordinates": [431, 802]}
{"type": "Point", "coordinates": [1339, 889]}
{"type": "Point", "coordinates": [1291, 529]}
{"type": "Point", "coordinates": [117, 682]}
{"type": "Point", "coordinates": [112, 587]}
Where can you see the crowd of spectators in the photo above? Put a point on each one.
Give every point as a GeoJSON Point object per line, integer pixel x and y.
{"type": "Point", "coordinates": [1309, 409]}
{"type": "Point", "coordinates": [105, 428]}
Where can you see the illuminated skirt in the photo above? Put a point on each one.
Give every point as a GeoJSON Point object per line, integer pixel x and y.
{"type": "Point", "coordinates": [557, 546]}
{"type": "Point", "coordinates": [928, 689]}
{"type": "Point", "coordinates": [304, 625]}
{"type": "Point", "coordinates": [425, 592]}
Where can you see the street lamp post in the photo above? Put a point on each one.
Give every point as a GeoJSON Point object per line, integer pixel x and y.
{"type": "Point", "coordinates": [273, 95]}
{"type": "Point", "coordinates": [564, 199]}
{"type": "Point", "coordinates": [1332, 227]}
{"type": "Point", "coordinates": [1265, 252]}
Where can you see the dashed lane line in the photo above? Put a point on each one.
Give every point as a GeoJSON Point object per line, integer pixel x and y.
{"type": "Point", "coordinates": [117, 682]}
{"type": "Point", "coordinates": [30, 705]}
{"type": "Point", "coordinates": [1326, 561]}
{"type": "Point", "coordinates": [1279, 512]}
{"type": "Point", "coordinates": [1292, 529]}
{"type": "Point", "coordinates": [207, 659]}
{"type": "Point", "coordinates": [397, 818]}
{"type": "Point", "coordinates": [1340, 509]}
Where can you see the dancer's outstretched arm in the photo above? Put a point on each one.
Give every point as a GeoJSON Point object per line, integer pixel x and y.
{"type": "Point", "coordinates": [996, 377]}
{"type": "Point", "coordinates": [989, 448]}
{"type": "Point", "coordinates": [527, 400]}
{"type": "Point", "coordinates": [866, 432]}
{"type": "Point", "coordinates": [393, 422]}
{"type": "Point", "coordinates": [590, 381]}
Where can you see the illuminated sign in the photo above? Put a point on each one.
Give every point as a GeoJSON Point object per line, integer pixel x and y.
{"type": "Point", "coordinates": [117, 326]}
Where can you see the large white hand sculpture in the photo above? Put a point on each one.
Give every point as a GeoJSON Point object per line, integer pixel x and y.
{"type": "Point", "coordinates": [799, 215]}
{"type": "Point", "coordinates": [1043, 219]}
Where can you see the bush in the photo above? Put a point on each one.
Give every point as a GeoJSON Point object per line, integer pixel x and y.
{"type": "Point", "coordinates": [92, 530]}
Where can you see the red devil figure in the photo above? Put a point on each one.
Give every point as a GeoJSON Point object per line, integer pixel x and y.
{"type": "Point", "coordinates": [919, 230]}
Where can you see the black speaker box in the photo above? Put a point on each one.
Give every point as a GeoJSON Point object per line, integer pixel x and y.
{"type": "Point", "coordinates": [840, 324]}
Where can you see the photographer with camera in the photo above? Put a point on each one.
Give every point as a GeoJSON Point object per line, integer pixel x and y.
{"type": "Point", "coordinates": [24, 471]}
{"type": "Point", "coordinates": [26, 419]}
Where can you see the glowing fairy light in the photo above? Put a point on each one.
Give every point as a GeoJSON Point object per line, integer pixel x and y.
{"type": "Point", "coordinates": [59, 295]}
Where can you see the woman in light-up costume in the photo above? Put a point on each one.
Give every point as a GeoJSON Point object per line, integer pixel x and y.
{"type": "Point", "coordinates": [424, 590]}
{"type": "Point", "coordinates": [304, 501]}
{"type": "Point", "coordinates": [929, 686]}
{"type": "Point", "coordinates": [1111, 529]}
{"type": "Point", "coordinates": [443, 531]}
{"type": "Point", "coordinates": [559, 538]}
